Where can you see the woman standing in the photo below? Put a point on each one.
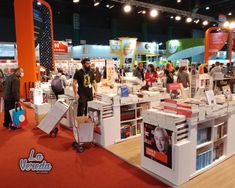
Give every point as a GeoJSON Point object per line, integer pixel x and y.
{"type": "Point", "coordinates": [151, 76]}
{"type": "Point", "coordinates": [169, 73]}
{"type": "Point", "coordinates": [183, 77]}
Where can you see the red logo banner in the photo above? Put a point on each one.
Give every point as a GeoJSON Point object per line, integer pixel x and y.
{"type": "Point", "coordinates": [217, 42]}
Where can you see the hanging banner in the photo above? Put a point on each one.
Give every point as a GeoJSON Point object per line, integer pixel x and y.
{"type": "Point", "coordinates": [115, 46]}
{"type": "Point", "coordinates": [217, 42]}
{"type": "Point", "coordinates": [147, 48]}
{"type": "Point", "coordinates": [110, 71]}
{"type": "Point", "coordinates": [61, 47]}
{"type": "Point", "coordinates": [128, 49]}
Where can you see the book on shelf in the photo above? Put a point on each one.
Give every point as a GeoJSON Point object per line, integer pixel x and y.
{"type": "Point", "coordinates": [220, 131]}
{"type": "Point", "coordinates": [125, 131]}
{"type": "Point", "coordinates": [203, 135]}
{"type": "Point", "coordinates": [218, 151]}
{"type": "Point", "coordinates": [203, 159]}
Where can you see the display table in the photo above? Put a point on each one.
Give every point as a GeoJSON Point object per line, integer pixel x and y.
{"type": "Point", "coordinates": [119, 118]}
{"type": "Point", "coordinates": [179, 147]}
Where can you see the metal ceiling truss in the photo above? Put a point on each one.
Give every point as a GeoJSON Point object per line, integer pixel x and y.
{"type": "Point", "coordinates": [166, 9]}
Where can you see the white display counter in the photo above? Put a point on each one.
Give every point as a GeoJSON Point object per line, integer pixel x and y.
{"type": "Point", "coordinates": [119, 118]}
{"type": "Point", "coordinates": [179, 148]}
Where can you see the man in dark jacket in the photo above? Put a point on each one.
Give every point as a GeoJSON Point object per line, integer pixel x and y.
{"type": "Point", "coordinates": [139, 71]}
{"type": "Point", "coordinates": [11, 95]}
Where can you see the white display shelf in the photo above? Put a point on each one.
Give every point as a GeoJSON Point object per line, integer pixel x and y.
{"type": "Point", "coordinates": [223, 137]}
{"type": "Point", "coordinates": [127, 121]}
{"type": "Point", "coordinates": [204, 144]}
{"type": "Point", "coordinates": [187, 154]}
{"type": "Point", "coordinates": [214, 163]}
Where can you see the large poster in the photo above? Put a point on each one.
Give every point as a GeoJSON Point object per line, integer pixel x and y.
{"type": "Point", "coordinates": [217, 42]}
{"type": "Point", "coordinates": [94, 114]}
{"type": "Point", "coordinates": [110, 70]}
{"type": "Point", "coordinates": [158, 144]}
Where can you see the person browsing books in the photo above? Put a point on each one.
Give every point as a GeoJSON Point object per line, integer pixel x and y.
{"type": "Point", "coordinates": [83, 82]}
{"type": "Point", "coordinates": [150, 76]}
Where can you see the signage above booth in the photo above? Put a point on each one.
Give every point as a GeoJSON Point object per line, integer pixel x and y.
{"type": "Point", "coordinates": [60, 47]}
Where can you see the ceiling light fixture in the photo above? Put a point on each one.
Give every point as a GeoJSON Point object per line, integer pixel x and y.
{"type": "Point", "coordinates": [144, 12]}
{"type": "Point", "coordinates": [177, 18]}
{"type": "Point", "coordinates": [189, 20]}
{"type": "Point", "coordinates": [39, 3]}
{"type": "Point", "coordinates": [207, 8]}
{"type": "Point", "coordinates": [96, 2]}
{"type": "Point", "coordinates": [172, 17]}
{"type": "Point", "coordinates": [205, 22]}
{"type": "Point", "coordinates": [153, 13]}
{"type": "Point", "coordinates": [226, 24]}
{"type": "Point", "coordinates": [111, 6]}
{"type": "Point", "coordinates": [108, 6]}
{"type": "Point", "coordinates": [178, 1]}
{"type": "Point", "coordinates": [127, 8]}
{"type": "Point", "coordinates": [230, 13]}
{"type": "Point", "coordinates": [76, 1]}
{"type": "Point", "coordinates": [232, 25]}
{"type": "Point", "coordinates": [196, 21]}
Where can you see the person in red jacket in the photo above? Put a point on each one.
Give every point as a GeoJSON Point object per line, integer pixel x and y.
{"type": "Point", "coordinates": [151, 76]}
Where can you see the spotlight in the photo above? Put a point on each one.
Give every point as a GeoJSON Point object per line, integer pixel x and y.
{"type": "Point", "coordinates": [205, 22]}
{"type": "Point", "coordinates": [143, 12]}
{"type": "Point", "coordinates": [39, 3]}
{"type": "Point", "coordinates": [111, 6]}
{"type": "Point", "coordinates": [153, 13]}
{"type": "Point", "coordinates": [76, 1]}
{"type": "Point", "coordinates": [108, 6]}
{"type": "Point", "coordinates": [207, 8]}
{"type": "Point", "coordinates": [178, 1]}
{"type": "Point", "coordinates": [232, 25]}
{"type": "Point", "coordinates": [172, 17]}
{"type": "Point", "coordinates": [177, 18]}
{"type": "Point", "coordinates": [226, 24]}
{"type": "Point", "coordinates": [230, 13]}
{"type": "Point", "coordinates": [127, 8]}
{"type": "Point", "coordinates": [189, 20]}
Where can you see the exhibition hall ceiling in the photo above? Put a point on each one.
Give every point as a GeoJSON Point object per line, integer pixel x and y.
{"type": "Point", "coordinates": [206, 7]}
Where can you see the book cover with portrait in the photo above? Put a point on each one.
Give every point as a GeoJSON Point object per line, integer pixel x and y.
{"type": "Point", "coordinates": [95, 117]}
{"type": "Point", "coordinates": [158, 144]}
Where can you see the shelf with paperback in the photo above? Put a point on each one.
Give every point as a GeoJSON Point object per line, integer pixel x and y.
{"type": "Point", "coordinates": [131, 119]}
{"type": "Point", "coordinates": [204, 144]}
{"type": "Point", "coordinates": [211, 141]}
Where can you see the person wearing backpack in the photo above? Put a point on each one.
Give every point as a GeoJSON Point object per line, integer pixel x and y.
{"type": "Point", "coordinates": [58, 83]}
{"type": "Point", "coordinates": [97, 75]}
{"type": "Point", "coordinates": [83, 82]}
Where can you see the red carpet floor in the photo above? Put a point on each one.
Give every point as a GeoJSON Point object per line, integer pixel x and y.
{"type": "Point", "coordinates": [95, 167]}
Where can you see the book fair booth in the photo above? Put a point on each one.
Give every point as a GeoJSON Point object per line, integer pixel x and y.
{"type": "Point", "coordinates": [171, 132]}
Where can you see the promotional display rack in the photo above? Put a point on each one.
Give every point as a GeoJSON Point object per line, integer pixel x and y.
{"type": "Point", "coordinates": [192, 146]}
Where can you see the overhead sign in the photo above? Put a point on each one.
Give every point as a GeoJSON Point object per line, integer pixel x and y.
{"type": "Point", "coordinates": [60, 47]}
{"type": "Point", "coordinates": [7, 50]}
{"type": "Point", "coordinates": [115, 46]}
{"type": "Point", "coordinates": [217, 42]}
{"type": "Point", "coordinates": [147, 48]}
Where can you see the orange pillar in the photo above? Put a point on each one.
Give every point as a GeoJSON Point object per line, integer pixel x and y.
{"type": "Point", "coordinates": [24, 25]}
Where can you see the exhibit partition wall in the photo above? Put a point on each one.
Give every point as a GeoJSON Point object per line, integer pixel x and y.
{"type": "Point", "coordinates": [33, 23]}
{"type": "Point", "coordinates": [217, 39]}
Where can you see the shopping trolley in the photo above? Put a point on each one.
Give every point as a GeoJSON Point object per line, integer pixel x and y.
{"type": "Point", "coordinates": [83, 133]}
